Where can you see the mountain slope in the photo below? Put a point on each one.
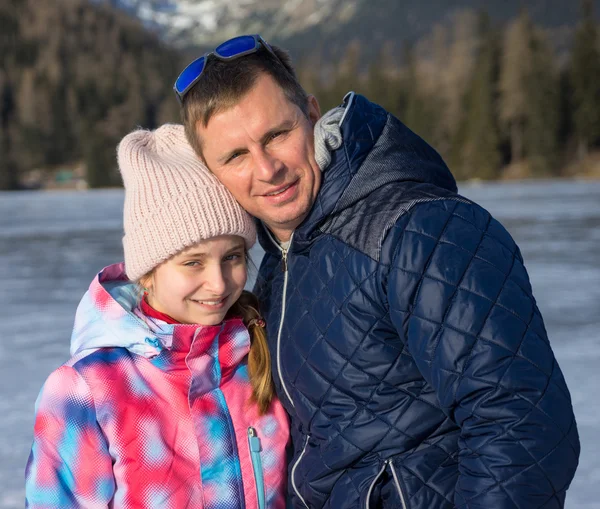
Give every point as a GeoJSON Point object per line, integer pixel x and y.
{"type": "Point", "coordinates": [297, 24]}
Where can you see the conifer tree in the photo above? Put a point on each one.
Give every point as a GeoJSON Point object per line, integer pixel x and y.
{"type": "Point", "coordinates": [419, 115]}
{"type": "Point", "coordinates": [479, 148]}
{"type": "Point", "coordinates": [516, 62]}
{"type": "Point", "coordinates": [542, 92]}
{"type": "Point", "coordinates": [585, 80]}
{"type": "Point", "coordinates": [456, 71]}
{"type": "Point", "coordinates": [309, 71]}
{"type": "Point", "coordinates": [346, 77]}
{"type": "Point", "coordinates": [76, 91]}
{"type": "Point", "coordinates": [382, 82]}
{"type": "Point", "coordinates": [9, 30]}
{"type": "Point", "coordinates": [529, 101]}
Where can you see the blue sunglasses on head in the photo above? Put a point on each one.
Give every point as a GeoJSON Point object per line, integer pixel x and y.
{"type": "Point", "coordinates": [229, 50]}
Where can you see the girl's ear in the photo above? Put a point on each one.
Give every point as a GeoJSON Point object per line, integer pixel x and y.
{"type": "Point", "coordinates": [146, 282]}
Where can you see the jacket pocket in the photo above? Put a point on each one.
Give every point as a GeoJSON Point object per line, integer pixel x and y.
{"type": "Point", "coordinates": [254, 445]}
{"type": "Point", "coordinates": [293, 473]}
{"type": "Point", "coordinates": [398, 486]}
{"type": "Point", "coordinates": [374, 482]}
{"type": "Point", "coordinates": [384, 475]}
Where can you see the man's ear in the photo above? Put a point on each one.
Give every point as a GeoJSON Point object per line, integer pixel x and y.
{"type": "Point", "coordinates": [314, 110]}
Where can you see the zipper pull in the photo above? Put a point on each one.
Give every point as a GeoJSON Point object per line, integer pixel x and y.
{"type": "Point", "coordinates": [253, 440]}
{"type": "Point", "coordinates": [284, 260]}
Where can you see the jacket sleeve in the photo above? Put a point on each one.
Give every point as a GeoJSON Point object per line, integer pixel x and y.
{"type": "Point", "coordinates": [461, 299]}
{"type": "Point", "coordinates": [69, 465]}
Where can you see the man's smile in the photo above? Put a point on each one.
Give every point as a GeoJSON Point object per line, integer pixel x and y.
{"type": "Point", "coordinates": [283, 193]}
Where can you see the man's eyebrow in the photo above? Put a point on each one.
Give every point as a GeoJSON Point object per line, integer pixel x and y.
{"type": "Point", "coordinates": [286, 125]}
{"type": "Point", "coordinates": [225, 157]}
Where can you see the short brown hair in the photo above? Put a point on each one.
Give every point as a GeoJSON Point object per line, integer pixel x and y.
{"type": "Point", "coordinates": [225, 83]}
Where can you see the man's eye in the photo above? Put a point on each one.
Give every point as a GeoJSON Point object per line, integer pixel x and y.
{"type": "Point", "coordinates": [233, 156]}
{"type": "Point", "coordinates": [276, 135]}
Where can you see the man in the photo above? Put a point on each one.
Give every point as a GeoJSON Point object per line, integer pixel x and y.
{"type": "Point", "coordinates": [406, 343]}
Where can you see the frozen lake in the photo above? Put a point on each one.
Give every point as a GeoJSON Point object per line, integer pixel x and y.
{"type": "Point", "coordinates": [52, 245]}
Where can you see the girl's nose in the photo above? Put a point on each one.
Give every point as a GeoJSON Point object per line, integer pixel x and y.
{"type": "Point", "coordinates": [216, 281]}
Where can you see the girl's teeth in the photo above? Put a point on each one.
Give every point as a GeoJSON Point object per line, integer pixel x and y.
{"type": "Point", "coordinates": [211, 302]}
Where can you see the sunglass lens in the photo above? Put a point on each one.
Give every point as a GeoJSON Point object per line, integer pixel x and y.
{"type": "Point", "coordinates": [189, 74]}
{"type": "Point", "coordinates": [236, 46]}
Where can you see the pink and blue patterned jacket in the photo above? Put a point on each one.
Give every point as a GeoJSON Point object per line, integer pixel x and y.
{"type": "Point", "coordinates": [148, 414]}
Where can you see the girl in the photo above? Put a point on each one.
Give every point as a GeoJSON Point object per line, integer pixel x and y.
{"type": "Point", "coordinates": [167, 401]}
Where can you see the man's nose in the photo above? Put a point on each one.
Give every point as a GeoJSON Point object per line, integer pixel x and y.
{"type": "Point", "coordinates": [268, 166]}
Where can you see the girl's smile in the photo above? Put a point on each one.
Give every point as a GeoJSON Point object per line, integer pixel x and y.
{"type": "Point", "coordinates": [201, 283]}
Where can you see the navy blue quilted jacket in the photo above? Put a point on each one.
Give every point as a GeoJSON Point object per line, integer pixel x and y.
{"type": "Point", "coordinates": [407, 346]}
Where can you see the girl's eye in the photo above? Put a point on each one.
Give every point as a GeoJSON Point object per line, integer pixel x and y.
{"type": "Point", "coordinates": [191, 264]}
{"type": "Point", "coordinates": [232, 256]}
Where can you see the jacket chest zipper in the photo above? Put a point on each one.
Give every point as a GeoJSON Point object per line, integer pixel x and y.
{"type": "Point", "coordinates": [254, 445]}
{"type": "Point", "coordinates": [284, 266]}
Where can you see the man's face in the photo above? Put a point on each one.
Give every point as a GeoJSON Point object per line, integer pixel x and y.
{"type": "Point", "coordinates": [262, 150]}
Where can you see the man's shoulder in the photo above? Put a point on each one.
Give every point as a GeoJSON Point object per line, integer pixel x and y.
{"type": "Point", "coordinates": [450, 224]}
{"type": "Point", "coordinates": [366, 224]}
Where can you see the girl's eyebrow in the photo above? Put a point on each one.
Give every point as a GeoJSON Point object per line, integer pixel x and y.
{"type": "Point", "coordinates": [192, 254]}
{"type": "Point", "coordinates": [202, 254]}
{"type": "Point", "coordinates": [234, 249]}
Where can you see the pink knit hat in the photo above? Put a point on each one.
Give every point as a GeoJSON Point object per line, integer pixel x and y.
{"type": "Point", "coordinates": [172, 201]}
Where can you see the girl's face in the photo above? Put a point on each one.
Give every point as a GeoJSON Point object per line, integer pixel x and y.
{"type": "Point", "coordinates": [201, 283]}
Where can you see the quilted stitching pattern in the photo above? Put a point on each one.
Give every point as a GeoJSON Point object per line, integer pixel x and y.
{"type": "Point", "coordinates": [487, 355]}
{"type": "Point", "coordinates": [333, 361]}
{"type": "Point", "coordinates": [434, 356]}
{"type": "Point", "coordinates": [458, 337]}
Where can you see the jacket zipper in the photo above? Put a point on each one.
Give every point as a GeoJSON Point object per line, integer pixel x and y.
{"type": "Point", "coordinates": [397, 483]}
{"type": "Point", "coordinates": [370, 492]}
{"type": "Point", "coordinates": [284, 266]}
{"type": "Point", "coordinates": [294, 472]}
{"type": "Point", "coordinates": [254, 445]}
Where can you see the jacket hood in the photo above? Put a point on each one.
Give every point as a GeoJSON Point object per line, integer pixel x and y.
{"type": "Point", "coordinates": [375, 150]}
{"type": "Point", "coordinates": [108, 316]}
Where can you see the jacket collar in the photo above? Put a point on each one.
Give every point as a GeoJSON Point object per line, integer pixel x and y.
{"type": "Point", "coordinates": [363, 125]}
{"type": "Point", "coordinates": [109, 316]}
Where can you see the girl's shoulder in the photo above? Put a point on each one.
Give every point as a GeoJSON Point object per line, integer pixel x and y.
{"type": "Point", "coordinates": [101, 357]}
{"type": "Point", "coordinates": [92, 365]}
{"type": "Point", "coordinates": [80, 376]}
